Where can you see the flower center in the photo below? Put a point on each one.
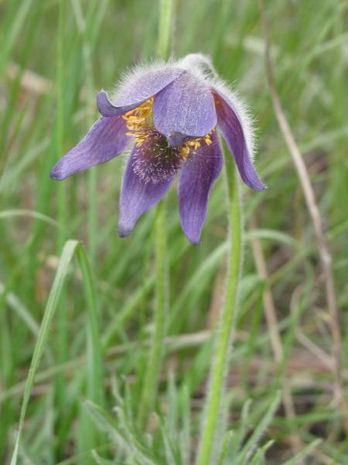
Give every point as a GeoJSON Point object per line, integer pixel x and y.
{"type": "Point", "coordinates": [155, 160]}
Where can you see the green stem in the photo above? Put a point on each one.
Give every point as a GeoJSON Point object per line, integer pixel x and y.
{"type": "Point", "coordinates": [160, 312]}
{"type": "Point", "coordinates": [162, 285]}
{"type": "Point", "coordinates": [60, 99]}
{"type": "Point", "coordinates": [62, 330]}
{"type": "Point", "coordinates": [227, 320]}
{"type": "Point", "coordinates": [92, 174]}
{"type": "Point", "coordinates": [165, 28]}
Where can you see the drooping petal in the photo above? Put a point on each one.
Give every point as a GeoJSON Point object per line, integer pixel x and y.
{"type": "Point", "coordinates": [136, 88]}
{"type": "Point", "coordinates": [105, 140]}
{"type": "Point", "coordinates": [185, 108]}
{"type": "Point", "coordinates": [230, 123]}
{"type": "Point", "coordinates": [197, 177]}
{"type": "Point", "coordinates": [106, 108]}
{"type": "Point", "coordinates": [141, 189]}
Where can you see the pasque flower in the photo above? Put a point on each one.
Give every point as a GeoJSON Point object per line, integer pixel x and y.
{"type": "Point", "coordinates": [170, 114]}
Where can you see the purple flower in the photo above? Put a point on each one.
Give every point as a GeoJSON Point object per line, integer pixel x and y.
{"type": "Point", "coordinates": [169, 113]}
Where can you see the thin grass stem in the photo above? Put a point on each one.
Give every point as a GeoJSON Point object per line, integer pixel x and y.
{"type": "Point", "coordinates": [62, 329]}
{"type": "Point", "coordinates": [162, 283]}
{"type": "Point", "coordinates": [160, 312]}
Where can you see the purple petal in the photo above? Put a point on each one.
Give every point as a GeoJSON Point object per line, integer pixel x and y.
{"type": "Point", "coordinates": [186, 107]}
{"type": "Point", "coordinates": [136, 89]}
{"type": "Point", "coordinates": [196, 180]}
{"type": "Point", "coordinates": [105, 140]}
{"type": "Point", "coordinates": [234, 134]}
{"type": "Point", "coordinates": [138, 195]}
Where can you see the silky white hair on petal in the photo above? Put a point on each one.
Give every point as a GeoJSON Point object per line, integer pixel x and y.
{"type": "Point", "coordinates": [198, 64]}
{"type": "Point", "coordinates": [134, 74]}
{"type": "Point", "coordinates": [241, 110]}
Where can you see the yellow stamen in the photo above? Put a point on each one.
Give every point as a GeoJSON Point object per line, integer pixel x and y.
{"type": "Point", "coordinates": [194, 144]}
{"type": "Point", "coordinates": [140, 116]}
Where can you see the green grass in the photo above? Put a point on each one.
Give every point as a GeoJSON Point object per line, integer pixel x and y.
{"type": "Point", "coordinates": [83, 325]}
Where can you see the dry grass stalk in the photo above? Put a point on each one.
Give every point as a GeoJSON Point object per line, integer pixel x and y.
{"type": "Point", "coordinates": [323, 248]}
{"type": "Point", "coordinates": [276, 342]}
{"type": "Point", "coordinates": [30, 81]}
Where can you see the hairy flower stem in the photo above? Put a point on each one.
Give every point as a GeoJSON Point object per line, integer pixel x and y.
{"type": "Point", "coordinates": [162, 285]}
{"type": "Point", "coordinates": [227, 320]}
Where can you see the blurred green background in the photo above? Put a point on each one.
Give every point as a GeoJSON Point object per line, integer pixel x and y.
{"type": "Point", "coordinates": [49, 78]}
